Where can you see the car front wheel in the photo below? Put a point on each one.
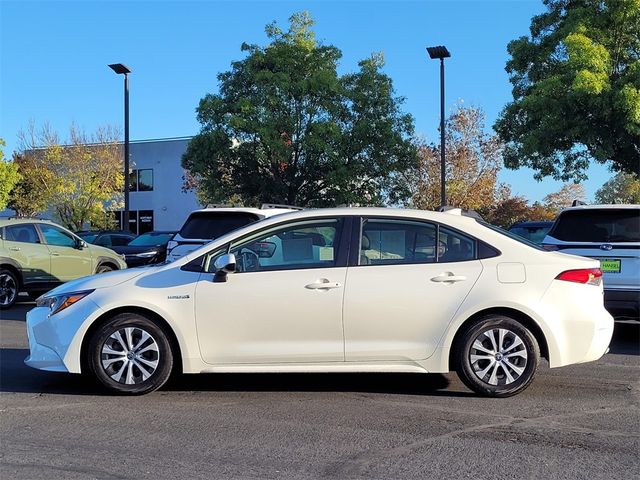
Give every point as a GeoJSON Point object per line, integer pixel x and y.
{"type": "Point", "coordinates": [104, 269]}
{"type": "Point", "coordinates": [497, 356]}
{"type": "Point", "coordinates": [130, 354]}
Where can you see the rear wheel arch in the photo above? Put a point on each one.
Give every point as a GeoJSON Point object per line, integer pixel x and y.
{"type": "Point", "coordinates": [521, 317]}
{"type": "Point", "coordinates": [151, 315]}
{"type": "Point", "coordinates": [15, 270]}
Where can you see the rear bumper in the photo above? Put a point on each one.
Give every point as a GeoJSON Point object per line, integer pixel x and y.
{"type": "Point", "coordinates": [623, 304]}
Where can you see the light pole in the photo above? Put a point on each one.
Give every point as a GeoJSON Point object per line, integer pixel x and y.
{"type": "Point", "coordinates": [441, 52]}
{"type": "Point", "coordinates": [121, 69]}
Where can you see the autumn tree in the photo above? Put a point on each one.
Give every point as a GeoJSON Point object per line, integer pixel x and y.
{"type": "Point", "coordinates": [576, 90]}
{"type": "Point", "coordinates": [564, 197]}
{"type": "Point", "coordinates": [76, 179]}
{"type": "Point", "coordinates": [473, 160]}
{"type": "Point", "coordinates": [9, 176]}
{"type": "Point", "coordinates": [286, 128]}
{"type": "Point", "coordinates": [509, 209]}
{"type": "Point", "coordinates": [622, 188]}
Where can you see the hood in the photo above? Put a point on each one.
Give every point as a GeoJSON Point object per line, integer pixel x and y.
{"type": "Point", "coordinates": [98, 251]}
{"type": "Point", "coordinates": [102, 280]}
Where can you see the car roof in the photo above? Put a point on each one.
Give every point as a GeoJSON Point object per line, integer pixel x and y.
{"type": "Point", "coordinates": [14, 220]}
{"type": "Point", "coordinates": [264, 212]}
{"type": "Point", "coordinates": [604, 206]}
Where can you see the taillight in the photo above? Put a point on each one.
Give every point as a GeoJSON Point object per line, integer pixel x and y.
{"type": "Point", "coordinates": [589, 276]}
{"type": "Point", "coordinates": [551, 248]}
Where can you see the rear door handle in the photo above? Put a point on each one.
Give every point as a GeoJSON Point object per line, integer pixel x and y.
{"type": "Point", "coordinates": [323, 284]}
{"type": "Point", "coordinates": [14, 249]}
{"type": "Point", "coordinates": [448, 277]}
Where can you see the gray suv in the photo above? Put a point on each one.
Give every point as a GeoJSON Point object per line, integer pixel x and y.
{"type": "Point", "coordinates": [611, 234]}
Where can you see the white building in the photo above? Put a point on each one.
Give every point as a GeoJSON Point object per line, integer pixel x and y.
{"type": "Point", "coordinates": [156, 199]}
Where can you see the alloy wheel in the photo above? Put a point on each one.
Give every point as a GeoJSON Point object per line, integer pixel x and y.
{"type": "Point", "coordinates": [8, 289]}
{"type": "Point", "coordinates": [498, 356]}
{"type": "Point", "coordinates": [130, 355]}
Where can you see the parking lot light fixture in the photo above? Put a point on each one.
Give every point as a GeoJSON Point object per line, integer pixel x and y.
{"type": "Point", "coordinates": [440, 52]}
{"type": "Point", "coordinates": [122, 69]}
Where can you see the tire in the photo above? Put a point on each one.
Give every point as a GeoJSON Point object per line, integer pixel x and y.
{"type": "Point", "coordinates": [497, 356]}
{"type": "Point", "coordinates": [104, 269]}
{"type": "Point", "coordinates": [130, 355]}
{"type": "Point", "coordinates": [9, 288]}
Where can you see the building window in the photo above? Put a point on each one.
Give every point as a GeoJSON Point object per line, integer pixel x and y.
{"type": "Point", "coordinates": [141, 180]}
{"type": "Point", "coordinates": [140, 221]}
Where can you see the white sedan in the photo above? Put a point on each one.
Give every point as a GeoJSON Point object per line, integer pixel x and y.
{"type": "Point", "coordinates": [336, 290]}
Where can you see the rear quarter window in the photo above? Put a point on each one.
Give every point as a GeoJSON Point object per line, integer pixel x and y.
{"type": "Point", "coordinates": [210, 225]}
{"type": "Point", "coordinates": [602, 225]}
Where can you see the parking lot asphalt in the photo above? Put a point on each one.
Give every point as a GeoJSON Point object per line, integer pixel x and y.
{"type": "Point", "coordinates": [578, 422]}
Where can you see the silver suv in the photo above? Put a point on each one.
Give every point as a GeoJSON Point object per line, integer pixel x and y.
{"type": "Point", "coordinates": [611, 234]}
{"type": "Point", "coordinates": [207, 224]}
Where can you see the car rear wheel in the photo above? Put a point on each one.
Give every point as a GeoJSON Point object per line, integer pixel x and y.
{"type": "Point", "coordinates": [130, 354]}
{"type": "Point", "coordinates": [8, 288]}
{"type": "Point", "coordinates": [497, 356]}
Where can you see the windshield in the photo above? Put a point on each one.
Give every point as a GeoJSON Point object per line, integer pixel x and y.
{"type": "Point", "coordinates": [601, 225]}
{"type": "Point", "coordinates": [210, 225]}
{"type": "Point", "coordinates": [151, 240]}
{"type": "Point", "coordinates": [511, 235]}
{"type": "Point", "coordinates": [533, 233]}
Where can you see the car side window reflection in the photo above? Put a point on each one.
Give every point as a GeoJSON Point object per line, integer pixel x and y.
{"type": "Point", "coordinates": [394, 242]}
{"type": "Point", "coordinates": [57, 237]}
{"type": "Point", "coordinates": [310, 244]}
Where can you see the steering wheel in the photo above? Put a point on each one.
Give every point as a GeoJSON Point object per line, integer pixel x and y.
{"type": "Point", "coordinates": [247, 261]}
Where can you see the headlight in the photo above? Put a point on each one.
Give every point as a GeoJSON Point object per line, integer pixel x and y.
{"type": "Point", "coordinates": [152, 253]}
{"type": "Point", "coordinates": [57, 303]}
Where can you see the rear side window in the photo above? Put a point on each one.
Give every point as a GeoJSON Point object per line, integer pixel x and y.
{"type": "Point", "coordinates": [23, 232]}
{"type": "Point", "coordinates": [602, 225]}
{"type": "Point", "coordinates": [211, 225]}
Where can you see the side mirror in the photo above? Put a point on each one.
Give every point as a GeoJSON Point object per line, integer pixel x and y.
{"type": "Point", "coordinates": [81, 244]}
{"type": "Point", "coordinates": [223, 265]}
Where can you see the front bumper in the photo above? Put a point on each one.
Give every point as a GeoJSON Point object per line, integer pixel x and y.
{"type": "Point", "coordinates": [623, 304]}
{"type": "Point", "coordinates": [55, 342]}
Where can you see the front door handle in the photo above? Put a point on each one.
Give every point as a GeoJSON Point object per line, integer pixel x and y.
{"type": "Point", "coordinates": [55, 254]}
{"type": "Point", "coordinates": [448, 277]}
{"type": "Point", "coordinates": [323, 284]}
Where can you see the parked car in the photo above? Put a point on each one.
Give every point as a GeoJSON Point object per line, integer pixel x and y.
{"type": "Point", "coordinates": [37, 255]}
{"type": "Point", "coordinates": [107, 238]}
{"type": "Point", "coordinates": [611, 235]}
{"type": "Point", "coordinates": [335, 290]}
{"type": "Point", "coordinates": [532, 231]}
{"type": "Point", "coordinates": [209, 223]}
{"type": "Point", "coordinates": [146, 249]}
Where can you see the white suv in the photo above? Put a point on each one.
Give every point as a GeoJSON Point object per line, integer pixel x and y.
{"type": "Point", "coordinates": [207, 224]}
{"type": "Point", "coordinates": [611, 234]}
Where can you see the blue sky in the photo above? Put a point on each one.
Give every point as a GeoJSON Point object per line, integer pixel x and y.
{"type": "Point", "coordinates": [54, 56]}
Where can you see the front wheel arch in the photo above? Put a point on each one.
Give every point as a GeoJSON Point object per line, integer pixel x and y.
{"type": "Point", "coordinates": [517, 315]}
{"type": "Point", "coordinates": [162, 323]}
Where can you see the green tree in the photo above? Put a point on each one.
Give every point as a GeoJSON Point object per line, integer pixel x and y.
{"type": "Point", "coordinates": [622, 188]}
{"type": "Point", "coordinates": [77, 180]}
{"type": "Point", "coordinates": [9, 176]}
{"type": "Point", "coordinates": [473, 160]}
{"type": "Point", "coordinates": [509, 209]}
{"type": "Point", "coordinates": [286, 128]}
{"type": "Point", "coordinates": [576, 90]}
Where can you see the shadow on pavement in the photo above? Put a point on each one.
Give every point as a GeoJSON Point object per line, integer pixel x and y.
{"type": "Point", "coordinates": [16, 377]}
{"type": "Point", "coordinates": [626, 338]}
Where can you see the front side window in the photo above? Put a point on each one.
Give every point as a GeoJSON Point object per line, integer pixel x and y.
{"type": "Point", "coordinates": [394, 242]}
{"type": "Point", "coordinates": [56, 236]}
{"type": "Point", "coordinates": [24, 232]}
{"type": "Point", "coordinates": [310, 244]}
